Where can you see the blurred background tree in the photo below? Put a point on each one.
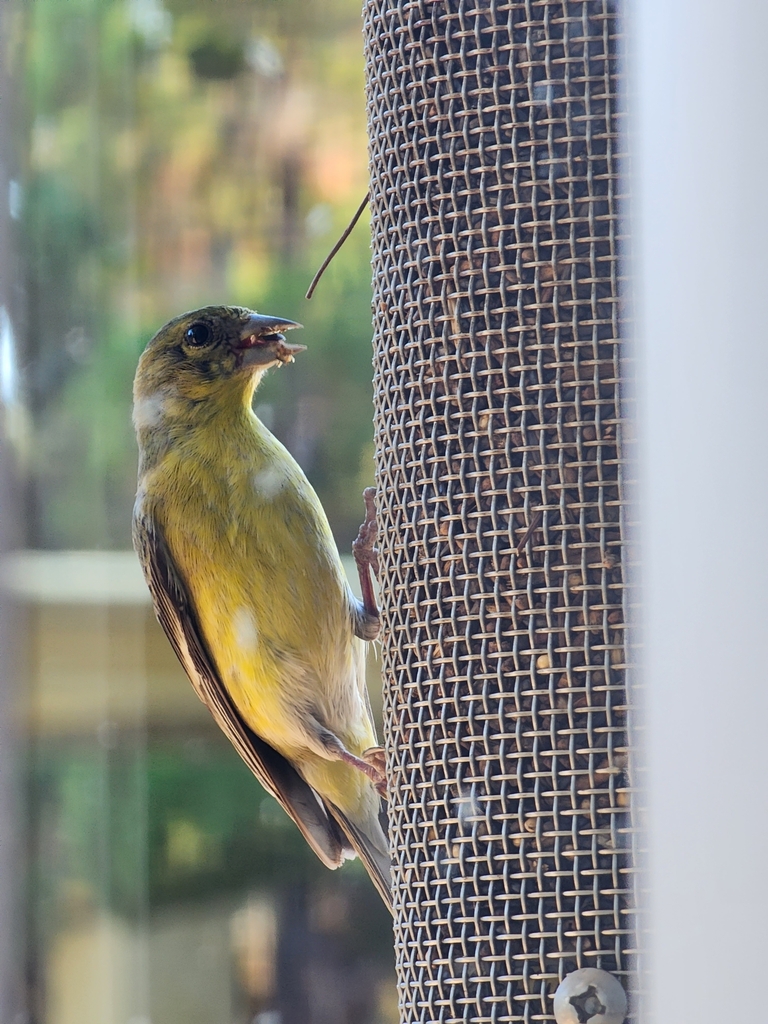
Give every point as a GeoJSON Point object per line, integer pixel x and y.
{"type": "Point", "coordinates": [201, 151]}
{"type": "Point", "coordinates": [176, 154]}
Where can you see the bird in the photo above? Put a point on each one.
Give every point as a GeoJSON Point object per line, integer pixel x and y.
{"type": "Point", "coordinates": [248, 585]}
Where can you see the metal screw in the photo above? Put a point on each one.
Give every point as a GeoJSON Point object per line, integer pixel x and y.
{"type": "Point", "coordinates": [590, 996]}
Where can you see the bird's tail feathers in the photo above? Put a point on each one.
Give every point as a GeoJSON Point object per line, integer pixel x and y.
{"type": "Point", "coordinates": [370, 850]}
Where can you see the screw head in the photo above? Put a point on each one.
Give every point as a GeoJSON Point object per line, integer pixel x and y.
{"type": "Point", "coordinates": [590, 996]}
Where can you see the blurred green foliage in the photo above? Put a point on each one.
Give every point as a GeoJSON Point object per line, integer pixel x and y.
{"type": "Point", "coordinates": [208, 829]}
{"type": "Point", "coordinates": [184, 821]}
{"type": "Point", "coordinates": [179, 154]}
{"type": "Point", "coordinates": [211, 830]}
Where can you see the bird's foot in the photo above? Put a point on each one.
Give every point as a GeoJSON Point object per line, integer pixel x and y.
{"type": "Point", "coordinates": [377, 758]}
{"type": "Point", "coordinates": [366, 556]}
{"type": "Point", "coordinates": [363, 546]}
{"type": "Point", "coordinates": [372, 764]}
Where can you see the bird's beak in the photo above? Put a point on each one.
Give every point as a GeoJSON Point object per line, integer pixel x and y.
{"type": "Point", "coordinates": [262, 340]}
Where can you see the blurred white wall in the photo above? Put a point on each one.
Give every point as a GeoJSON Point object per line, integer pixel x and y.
{"type": "Point", "coordinates": [699, 77]}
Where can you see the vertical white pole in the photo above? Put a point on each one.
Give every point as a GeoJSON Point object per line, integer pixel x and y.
{"type": "Point", "coordinates": [699, 75]}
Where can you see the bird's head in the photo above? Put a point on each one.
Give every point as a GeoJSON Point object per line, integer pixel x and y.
{"type": "Point", "coordinates": [207, 359]}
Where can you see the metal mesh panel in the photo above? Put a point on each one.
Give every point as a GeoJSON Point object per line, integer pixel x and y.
{"type": "Point", "coordinates": [495, 249]}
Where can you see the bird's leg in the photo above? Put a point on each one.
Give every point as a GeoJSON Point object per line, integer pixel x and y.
{"type": "Point", "coordinates": [372, 763]}
{"type": "Point", "coordinates": [367, 560]}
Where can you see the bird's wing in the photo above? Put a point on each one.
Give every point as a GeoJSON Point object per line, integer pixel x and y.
{"type": "Point", "coordinates": [176, 615]}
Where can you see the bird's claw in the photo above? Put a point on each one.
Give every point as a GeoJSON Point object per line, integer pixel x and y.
{"type": "Point", "coordinates": [376, 757]}
{"type": "Point", "coordinates": [372, 763]}
{"type": "Point", "coordinates": [363, 546]}
{"type": "Point", "coordinates": [366, 556]}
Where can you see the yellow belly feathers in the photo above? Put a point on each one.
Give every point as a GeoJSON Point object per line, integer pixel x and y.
{"type": "Point", "coordinates": [270, 595]}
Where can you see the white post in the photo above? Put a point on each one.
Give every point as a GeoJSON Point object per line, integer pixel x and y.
{"type": "Point", "coordinates": [699, 73]}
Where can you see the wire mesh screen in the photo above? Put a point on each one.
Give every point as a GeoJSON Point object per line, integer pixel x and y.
{"type": "Point", "coordinates": [494, 161]}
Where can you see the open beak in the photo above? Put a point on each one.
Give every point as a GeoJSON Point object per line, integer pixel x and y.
{"type": "Point", "coordinates": [262, 340]}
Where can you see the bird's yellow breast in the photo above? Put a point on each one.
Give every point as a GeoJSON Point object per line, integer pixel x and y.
{"type": "Point", "coordinates": [253, 545]}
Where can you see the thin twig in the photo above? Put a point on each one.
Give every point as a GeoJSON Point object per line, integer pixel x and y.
{"type": "Point", "coordinates": [335, 249]}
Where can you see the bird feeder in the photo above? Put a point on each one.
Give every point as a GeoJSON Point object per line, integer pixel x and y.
{"type": "Point", "coordinates": [495, 154]}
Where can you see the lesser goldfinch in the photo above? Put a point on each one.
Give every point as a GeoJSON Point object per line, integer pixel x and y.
{"type": "Point", "coordinates": [248, 585]}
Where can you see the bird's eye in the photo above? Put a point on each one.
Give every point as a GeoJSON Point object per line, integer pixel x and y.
{"type": "Point", "coordinates": [198, 334]}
